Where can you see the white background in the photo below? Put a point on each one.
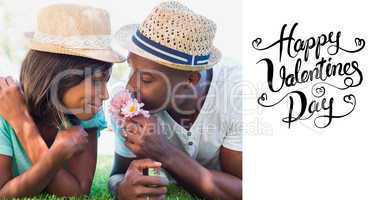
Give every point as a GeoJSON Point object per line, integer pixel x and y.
{"type": "Point", "coordinates": [302, 163]}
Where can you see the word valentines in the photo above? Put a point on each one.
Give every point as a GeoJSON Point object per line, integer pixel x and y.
{"type": "Point", "coordinates": [305, 71]}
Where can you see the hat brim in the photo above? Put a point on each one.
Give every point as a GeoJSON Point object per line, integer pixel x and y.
{"type": "Point", "coordinates": [109, 55]}
{"type": "Point", "coordinates": [122, 43]}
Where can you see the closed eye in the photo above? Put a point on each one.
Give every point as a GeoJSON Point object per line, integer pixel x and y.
{"type": "Point", "coordinates": [147, 77]}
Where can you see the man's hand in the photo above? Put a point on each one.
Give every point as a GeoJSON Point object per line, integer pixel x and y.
{"type": "Point", "coordinates": [12, 102]}
{"type": "Point", "coordinates": [144, 138]}
{"type": "Point", "coordinates": [137, 186]}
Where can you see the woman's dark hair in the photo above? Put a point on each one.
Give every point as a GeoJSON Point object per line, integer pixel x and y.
{"type": "Point", "coordinates": [38, 79]}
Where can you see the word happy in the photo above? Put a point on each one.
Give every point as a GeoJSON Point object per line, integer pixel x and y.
{"type": "Point", "coordinates": [312, 71]}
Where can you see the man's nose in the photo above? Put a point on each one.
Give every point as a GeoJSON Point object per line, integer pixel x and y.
{"type": "Point", "coordinates": [132, 86]}
{"type": "Point", "coordinates": [132, 83]}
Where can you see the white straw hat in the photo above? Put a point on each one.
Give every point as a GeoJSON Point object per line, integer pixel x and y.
{"type": "Point", "coordinates": [74, 30]}
{"type": "Point", "coordinates": [172, 35]}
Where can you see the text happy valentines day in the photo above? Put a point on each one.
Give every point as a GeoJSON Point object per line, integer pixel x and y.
{"type": "Point", "coordinates": [313, 71]}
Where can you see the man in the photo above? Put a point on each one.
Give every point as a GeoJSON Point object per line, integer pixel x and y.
{"type": "Point", "coordinates": [194, 132]}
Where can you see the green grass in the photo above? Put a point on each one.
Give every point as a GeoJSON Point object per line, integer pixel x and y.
{"type": "Point", "coordinates": [99, 188]}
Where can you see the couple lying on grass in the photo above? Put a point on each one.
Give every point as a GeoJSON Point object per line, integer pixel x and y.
{"type": "Point", "coordinates": [51, 120]}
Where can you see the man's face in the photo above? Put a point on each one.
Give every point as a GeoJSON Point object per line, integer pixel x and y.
{"type": "Point", "coordinates": [152, 83]}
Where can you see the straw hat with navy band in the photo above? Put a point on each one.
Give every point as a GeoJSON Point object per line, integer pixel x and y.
{"type": "Point", "coordinates": [74, 30]}
{"type": "Point", "coordinates": [172, 35]}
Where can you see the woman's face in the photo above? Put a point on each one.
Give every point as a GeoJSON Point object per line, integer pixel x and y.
{"type": "Point", "coordinates": [86, 99]}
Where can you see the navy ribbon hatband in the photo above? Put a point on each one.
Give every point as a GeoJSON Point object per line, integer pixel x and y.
{"type": "Point", "coordinates": [166, 53]}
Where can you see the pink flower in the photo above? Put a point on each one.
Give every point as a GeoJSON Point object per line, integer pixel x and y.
{"type": "Point", "coordinates": [123, 106]}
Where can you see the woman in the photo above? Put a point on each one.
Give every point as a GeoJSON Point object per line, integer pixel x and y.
{"type": "Point", "coordinates": [48, 134]}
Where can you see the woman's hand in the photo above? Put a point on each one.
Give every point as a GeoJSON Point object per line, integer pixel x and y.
{"type": "Point", "coordinates": [71, 141]}
{"type": "Point", "coordinates": [12, 101]}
